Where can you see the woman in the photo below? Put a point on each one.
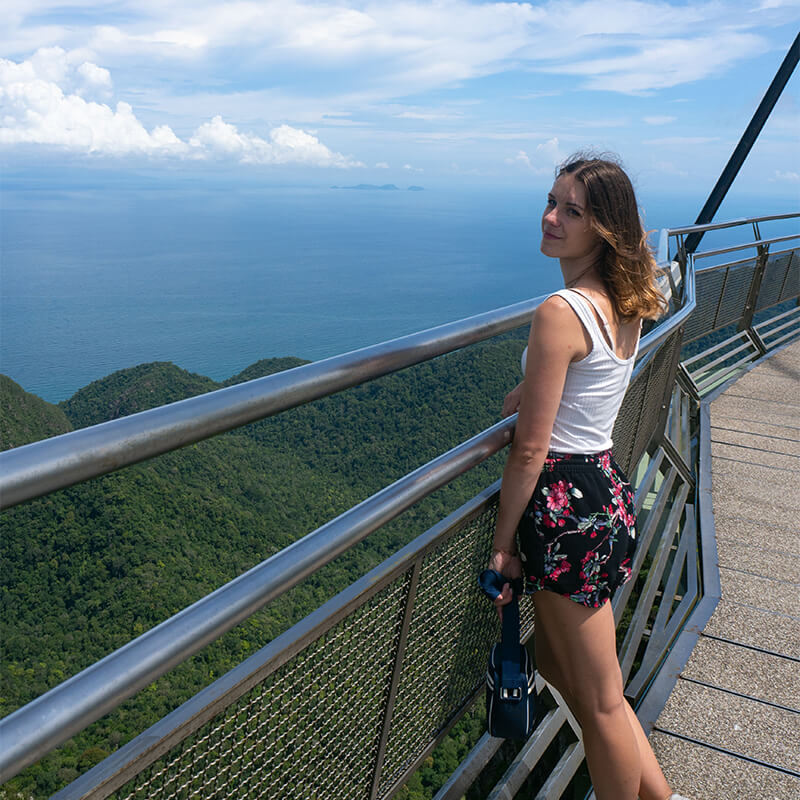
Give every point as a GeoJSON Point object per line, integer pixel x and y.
{"type": "Point", "coordinates": [561, 489]}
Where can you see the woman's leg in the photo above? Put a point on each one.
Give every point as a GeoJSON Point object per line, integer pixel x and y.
{"type": "Point", "coordinates": [576, 652]}
{"type": "Point", "coordinates": [653, 784]}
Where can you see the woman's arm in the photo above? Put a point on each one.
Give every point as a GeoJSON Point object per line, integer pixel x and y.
{"type": "Point", "coordinates": [556, 339]}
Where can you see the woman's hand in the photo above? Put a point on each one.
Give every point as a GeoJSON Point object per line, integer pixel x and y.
{"type": "Point", "coordinates": [511, 567]}
{"type": "Point", "coordinates": [511, 401]}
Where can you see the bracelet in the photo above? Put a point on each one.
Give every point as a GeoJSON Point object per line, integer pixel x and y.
{"type": "Point", "coordinates": [514, 553]}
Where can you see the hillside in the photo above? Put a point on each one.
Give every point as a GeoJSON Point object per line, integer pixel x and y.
{"type": "Point", "coordinates": [27, 418]}
{"type": "Point", "coordinates": [128, 391]}
{"type": "Point", "coordinates": [88, 568]}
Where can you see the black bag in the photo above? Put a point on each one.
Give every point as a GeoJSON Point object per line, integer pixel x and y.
{"type": "Point", "coordinates": [510, 677]}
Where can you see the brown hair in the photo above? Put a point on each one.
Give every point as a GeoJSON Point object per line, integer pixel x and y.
{"type": "Point", "coordinates": [627, 266]}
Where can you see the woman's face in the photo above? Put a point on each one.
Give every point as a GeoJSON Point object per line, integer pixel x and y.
{"type": "Point", "coordinates": [566, 233]}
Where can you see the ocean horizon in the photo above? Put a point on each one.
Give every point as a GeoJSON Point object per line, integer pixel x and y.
{"type": "Point", "coordinates": [100, 279]}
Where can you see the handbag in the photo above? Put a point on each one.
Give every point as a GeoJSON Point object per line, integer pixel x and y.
{"type": "Point", "coordinates": [510, 676]}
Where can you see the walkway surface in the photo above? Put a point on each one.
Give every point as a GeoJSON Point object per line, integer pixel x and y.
{"type": "Point", "coordinates": [731, 727]}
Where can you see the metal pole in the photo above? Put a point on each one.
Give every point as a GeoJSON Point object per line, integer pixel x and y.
{"type": "Point", "coordinates": [745, 143]}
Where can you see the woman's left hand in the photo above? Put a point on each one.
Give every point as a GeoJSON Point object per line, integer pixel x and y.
{"type": "Point", "coordinates": [509, 566]}
{"type": "Point", "coordinates": [511, 401]}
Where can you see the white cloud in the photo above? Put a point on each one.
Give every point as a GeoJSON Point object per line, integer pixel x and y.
{"type": "Point", "coordinates": [766, 5]}
{"type": "Point", "coordinates": [793, 177]}
{"type": "Point", "coordinates": [398, 48]}
{"type": "Point", "coordinates": [551, 151]}
{"type": "Point", "coordinates": [409, 168]}
{"type": "Point", "coordinates": [35, 109]}
{"type": "Point", "coordinates": [538, 95]}
{"type": "Point", "coordinates": [668, 168]}
{"type": "Point", "coordinates": [427, 115]}
{"type": "Point", "coordinates": [547, 155]}
{"type": "Point", "coordinates": [682, 141]}
{"type": "Point", "coordinates": [356, 64]}
{"type": "Point", "coordinates": [297, 146]}
{"type": "Point", "coordinates": [521, 157]}
{"type": "Point", "coordinates": [286, 145]}
{"type": "Point", "coordinates": [666, 62]}
{"type": "Point", "coordinates": [381, 165]}
{"type": "Point", "coordinates": [180, 38]}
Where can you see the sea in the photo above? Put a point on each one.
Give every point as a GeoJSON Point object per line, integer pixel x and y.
{"type": "Point", "coordinates": [214, 277]}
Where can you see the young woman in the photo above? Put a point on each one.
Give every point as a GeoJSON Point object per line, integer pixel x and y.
{"type": "Point", "coordinates": [562, 491]}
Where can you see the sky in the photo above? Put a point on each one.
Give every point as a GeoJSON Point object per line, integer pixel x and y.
{"type": "Point", "coordinates": [432, 93]}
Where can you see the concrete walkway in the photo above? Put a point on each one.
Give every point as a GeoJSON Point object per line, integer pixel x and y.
{"type": "Point", "coordinates": [731, 727]}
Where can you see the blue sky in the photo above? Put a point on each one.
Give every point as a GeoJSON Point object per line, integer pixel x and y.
{"type": "Point", "coordinates": [434, 93]}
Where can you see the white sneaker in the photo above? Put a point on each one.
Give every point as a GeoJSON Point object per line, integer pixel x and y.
{"type": "Point", "coordinates": [677, 797]}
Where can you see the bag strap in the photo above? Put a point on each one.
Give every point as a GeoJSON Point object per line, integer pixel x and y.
{"type": "Point", "coordinates": [512, 670]}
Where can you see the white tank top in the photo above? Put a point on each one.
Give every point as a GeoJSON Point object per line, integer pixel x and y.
{"type": "Point", "coordinates": [594, 386]}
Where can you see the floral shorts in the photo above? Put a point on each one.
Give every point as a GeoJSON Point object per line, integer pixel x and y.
{"type": "Point", "coordinates": [578, 534]}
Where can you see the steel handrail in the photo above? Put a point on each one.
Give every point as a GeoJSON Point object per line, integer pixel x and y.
{"type": "Point", "coordinates": [712, 226]}
{"type": "Point", "coordinates": [757, 243]}
{"type": "Point", "coordinates": [42, 467]}
{"type": "Point", "coordinates": [651, 340]}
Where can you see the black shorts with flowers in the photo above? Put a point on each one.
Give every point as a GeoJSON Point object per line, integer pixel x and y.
{"type": "Point", "coordinates": [577, 536]}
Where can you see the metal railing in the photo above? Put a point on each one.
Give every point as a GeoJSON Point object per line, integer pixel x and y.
{"type": "Point", "coordinates": [248, 731]}
{"type": "Point", "coordinates": [730, 296]}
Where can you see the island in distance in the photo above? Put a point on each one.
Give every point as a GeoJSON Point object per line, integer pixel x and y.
{"type": "Point", "coordinates": [387, 187]}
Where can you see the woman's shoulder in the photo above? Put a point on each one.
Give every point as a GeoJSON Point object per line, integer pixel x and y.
{"type": "Point", "coordinates": [557, 329]}
{"type": "Point", "coordinates": [556, 309]}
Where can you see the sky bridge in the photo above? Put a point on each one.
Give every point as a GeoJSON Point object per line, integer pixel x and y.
{"type": "Point", "coordinates": [729, 727]}
{"type": "Point", "coordinates": [353, 699]}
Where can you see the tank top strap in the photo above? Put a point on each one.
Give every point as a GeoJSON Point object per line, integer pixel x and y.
{"type": "Point", "coordinates": [581, 306]}
{"type": "Point", "coordinates": [600, 314]}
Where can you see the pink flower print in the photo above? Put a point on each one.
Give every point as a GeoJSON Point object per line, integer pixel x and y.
{"type": "Point", "coordinates": [560, 569]}
{"type": "Point", "coordinates": [558, 495]}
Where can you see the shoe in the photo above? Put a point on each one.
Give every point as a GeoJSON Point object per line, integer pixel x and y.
{"type": "Point", "coordinates": [677, 797]}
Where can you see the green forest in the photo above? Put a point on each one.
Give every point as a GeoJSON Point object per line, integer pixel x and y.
{"type": "Point", "coordinates": [89, 568]}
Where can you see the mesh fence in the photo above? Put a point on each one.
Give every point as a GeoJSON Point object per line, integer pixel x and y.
{"type": "Point", "coordinates": [781, 280]}
{"type": "Point", "coordinates": [277, 741]}
{"type": "Point", "coordinates": [624, 435]}
{"type": "Point", "coordinates": [661, 375]}
{"type": "Point", "coordinates": [448, 641]}
{"type": "Point", "coordinates": [733, 302]}
{"type": "Point", "coordinates": [708, 288]}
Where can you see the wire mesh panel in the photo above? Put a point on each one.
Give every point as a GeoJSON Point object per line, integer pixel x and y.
{"type": "Point", "coordinates": [309, 730]}
{"type": "Point", "coordinates": [624, 434]}
{"type": "Point", "coordinates": [449, 637]}
{"type": "Point", "coordinates": [708, 287]}
{"type": "Point", "coordinates": [781, 279]}
{"type": "Point", "coordinates": [734, 296]}
{"type": "Point", "coordinates": [660, 378]}
{"type": "Point", "coordinates": [791, 285]}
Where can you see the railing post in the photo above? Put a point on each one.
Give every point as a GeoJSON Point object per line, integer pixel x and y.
{"type": "Point", "coordinates": [746, 322]}
{"type": "Point", "coordinates": [396, 675]}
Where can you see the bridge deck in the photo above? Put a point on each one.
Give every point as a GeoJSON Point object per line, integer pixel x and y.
{"type": "Point", "coordinates": [731, 726]}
